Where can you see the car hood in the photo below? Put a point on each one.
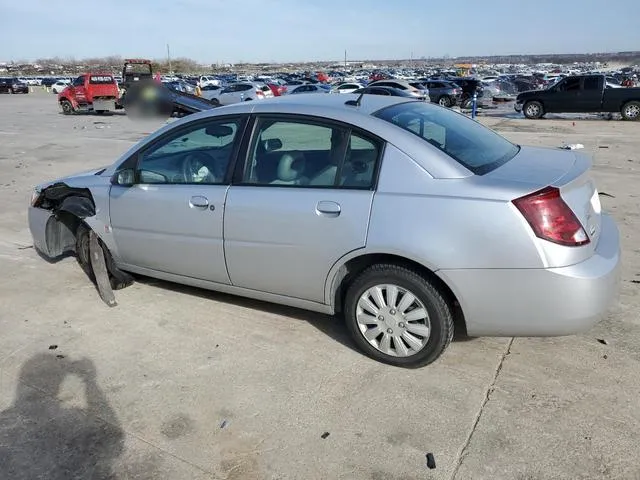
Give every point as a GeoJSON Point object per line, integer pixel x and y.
{"type": "Point", "coordinates": [528, 94]}
{"type": "Point", "coordinates": [80, 179]}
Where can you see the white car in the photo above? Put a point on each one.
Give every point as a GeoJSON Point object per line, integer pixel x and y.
{"type": "Point", "coordinates": [205, 81]}
{"type": "Point", "coordinates": [211, 91]}
{"type": "Point", "coordinates": [347, 87]}
{"type": "Point", "coordinates": [59, 86]}
{"type": "Point", "coordinates": [242, 92]}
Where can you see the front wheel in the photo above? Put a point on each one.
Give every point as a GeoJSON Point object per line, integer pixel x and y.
{"type": "Point", "coordinates": [533, 110]}
{"type": "Point", "coordinates": [117, 277]}
{"type": "Point", "coordinates": [397, 316]}
{"type": "Point", "coordinates": [631, 111]}
{"type": "Point", "coordinates": [67, 108]}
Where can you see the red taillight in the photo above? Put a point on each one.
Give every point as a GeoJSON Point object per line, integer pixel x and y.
{"type": "Point", "coordinates": [551, 218]}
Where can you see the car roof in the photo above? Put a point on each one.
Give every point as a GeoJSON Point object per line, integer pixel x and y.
{"type": "Point", "coordinates": [368, 104]}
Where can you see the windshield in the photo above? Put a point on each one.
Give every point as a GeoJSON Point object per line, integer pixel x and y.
{"type": "Point", "coordinates": [471, 144]}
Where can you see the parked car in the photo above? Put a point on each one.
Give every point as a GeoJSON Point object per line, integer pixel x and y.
{"type": "Point", "coordinates": [59, 85]}
{"type": "Point", "coordinates": [349, 87]}
{"type": "Point", "coordinates": [205, 81]}
{"type": "Point", "coordinates": [94, 91]}
{"type": "Point", "coordinates": [310, 88]}
{"type": "Point", "coordinates": [48, 81]}
{"type": "Point", "coordinates": [211, 91]}
{"type": "Point", "coordinates": [386, 91]}
{"type": "Point", "coordinates": [242, 92]}
{"type": "Point", "coordinates": [181, 86]}
{"type": "Point", "coordinates": [578, 94]}
{"type": "Point", "coordinates": [443, 92]}
{"type": "Point", "coordinates": [277, 89]}
{"type": "Point", "coordinates": [402, 216]}
{"type": "Point", "coordinates": [422, 94]}
{"type": "Point", "coordinates": [13, 85]}
{"type": "Point", "coordinates": [469, 86]}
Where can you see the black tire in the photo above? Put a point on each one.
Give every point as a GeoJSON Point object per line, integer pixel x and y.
{"type": "Point", "coordinates": [444, 101]}
{"type": "Point", "coordinates": [439, 311]}
{"type": "Point", "coordinates": [216, 102]}
{"type": "Point", "coordinates": [533, 110]}
{"type": "Point", "coordinates": [67, 108]}
{"type": "Point", "coordinates": [631, 111]}
{"type": "Point", "coordinates": [101, 112]}
{"type": "Point", "coordinates": [117, 277]}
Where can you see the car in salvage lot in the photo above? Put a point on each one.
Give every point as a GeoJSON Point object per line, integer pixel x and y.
{"type": "Point", "coordinates": [406, 218]}
{"type": "Point", "coordinates": [13, 85]}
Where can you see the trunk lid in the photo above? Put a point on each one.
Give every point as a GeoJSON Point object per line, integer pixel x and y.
{"type": "Point", "coordinates": [569, 171]}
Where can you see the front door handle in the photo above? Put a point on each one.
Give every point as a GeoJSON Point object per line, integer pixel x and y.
{"type": "Point", "coordinates": [199, 201]}
{"type": "Point", "coordinates": [328, 209]}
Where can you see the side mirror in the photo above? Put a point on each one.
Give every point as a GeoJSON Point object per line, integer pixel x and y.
{"type": "Point", "coordinates": [124, 178]}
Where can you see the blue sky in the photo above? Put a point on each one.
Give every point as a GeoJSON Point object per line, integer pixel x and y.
{"type": "Point", "coordinates": [295, 30]}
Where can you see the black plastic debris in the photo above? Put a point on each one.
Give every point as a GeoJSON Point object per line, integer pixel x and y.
{"type": "Point", "coordinates": [605, 194]}
{"type": "Point", "coordinates": [53, 347]}
{"type": "Point", "coordinates": [324, 435]}
{"type": "Point", "coordinates": [603, 146]}
{"type": "Point", "coordinates": [634, 281]}
{"type": "Point", "coordinates": [605, 356]}
{"type": "Point", "coordinates": [431, 461]}
{"type": "Point", "coordinates": [602, 341]}
{"type": "Point", "coordinates": [59, 356]}
{"type": "Point", "coordinates": [224, 424]}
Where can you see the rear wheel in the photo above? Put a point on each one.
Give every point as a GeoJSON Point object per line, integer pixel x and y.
{"type": "Point", "coordinates": [444, 101]}
{"type": "Point", "coordinates": [533, 110]}
{"type": "Point", "coordinates": [397, 316]}
{"type": "Point", "coordinates": [67, 108]}
{"type": "Point", "coordinates": [117, 277]}
{"type": "Point", "coordinates": [631, 111]}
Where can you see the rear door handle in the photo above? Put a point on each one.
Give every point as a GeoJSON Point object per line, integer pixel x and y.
{"type": "Point", "coordinates": [328, 209]}
{"type": "Point", "coordinates": [199, 201]}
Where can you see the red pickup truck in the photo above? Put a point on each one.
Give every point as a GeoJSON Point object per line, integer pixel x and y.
{"type": "Point", "coordinates": [97, 92]}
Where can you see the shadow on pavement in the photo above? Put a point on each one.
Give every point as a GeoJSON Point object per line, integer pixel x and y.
{"type": "Point", "coordinates": [332, 326]}
{"type": "Point", "coordinates": [40, 438]}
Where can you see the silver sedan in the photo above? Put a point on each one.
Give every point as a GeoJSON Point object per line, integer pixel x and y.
{"type": "Point", "coordinates": [406, 218]}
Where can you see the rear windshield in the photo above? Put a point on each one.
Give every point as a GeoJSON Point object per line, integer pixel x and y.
{"type": "Point", "coordinates": [474, 146]}
{"type": "Point", "coordinates": [100, 79]}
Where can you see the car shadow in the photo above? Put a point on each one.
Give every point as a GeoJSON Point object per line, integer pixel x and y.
{"type": "Point", "coordinates": [331, 325]}
{"type": "Point", "coordinates": [44, 437]}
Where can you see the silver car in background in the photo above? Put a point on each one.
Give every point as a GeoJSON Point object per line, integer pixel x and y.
{"type": "Point", "coordinates": [404, 217]}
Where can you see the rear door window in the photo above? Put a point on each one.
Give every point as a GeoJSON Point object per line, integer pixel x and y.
{"type": "Point", "coordinates": [592, 83]}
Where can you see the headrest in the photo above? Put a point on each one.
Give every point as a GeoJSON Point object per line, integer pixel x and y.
{"type": "Point", "coordinates": [291, 166]}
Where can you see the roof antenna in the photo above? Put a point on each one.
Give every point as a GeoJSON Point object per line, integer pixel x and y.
{"type": "Point", "coordinates": [356, 102]}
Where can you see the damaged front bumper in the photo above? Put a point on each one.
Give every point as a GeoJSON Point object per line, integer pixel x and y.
{"type": "Point", "coordinates": [51, 237]}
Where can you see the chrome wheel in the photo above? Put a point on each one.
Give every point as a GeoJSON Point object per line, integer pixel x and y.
{"type": "Point", "coordinates": [393, 320]}
{"type": "Point", "coordinates": [444, 102]}
{"type": "Point", "coordinates": [533, 110]}
{"type": "Point", "coordinates": [632, 111]}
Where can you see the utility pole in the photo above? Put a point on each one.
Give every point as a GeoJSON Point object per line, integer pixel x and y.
{"type": "Point", "coordinates": [345, 58]}
{"type": "Point", "coordinates": [169, 59]}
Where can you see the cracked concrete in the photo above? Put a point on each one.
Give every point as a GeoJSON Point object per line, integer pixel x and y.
{"type": "Point", "coordinates": [487, 396]}
{"type": "Point", "coordinates": [142, 389]}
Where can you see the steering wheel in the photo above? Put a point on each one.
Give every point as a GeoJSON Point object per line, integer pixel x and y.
{"type": "Point", "coordinates": [195, 169]}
